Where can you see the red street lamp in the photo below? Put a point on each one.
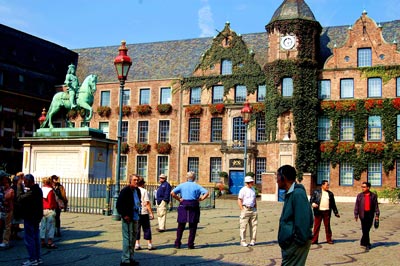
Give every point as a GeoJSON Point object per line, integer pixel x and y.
{"type": "Point", "coordinates": [246, 111]}
{"type": "Point", "coordinates": [122, 64]}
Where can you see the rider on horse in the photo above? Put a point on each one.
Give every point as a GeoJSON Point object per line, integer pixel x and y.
{"type": "Point", "coordinates": [72, 83]}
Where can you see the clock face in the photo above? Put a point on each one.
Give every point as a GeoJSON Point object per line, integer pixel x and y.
{"type": "Point", "coordinates": [288, 42]}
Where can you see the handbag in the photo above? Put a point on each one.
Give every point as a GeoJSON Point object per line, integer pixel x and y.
{"type": "Point", "coordinates": [376, 223]}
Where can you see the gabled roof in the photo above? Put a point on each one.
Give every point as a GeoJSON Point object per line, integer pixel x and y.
{"type": "Point", "coordinates": [175, 59]}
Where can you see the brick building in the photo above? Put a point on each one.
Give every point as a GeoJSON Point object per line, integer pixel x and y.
{"type": "Point", "coordinates": [324, 100]}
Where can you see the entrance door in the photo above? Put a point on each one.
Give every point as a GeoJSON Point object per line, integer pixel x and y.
{"type": "Point", "coordinates": [236, 181]}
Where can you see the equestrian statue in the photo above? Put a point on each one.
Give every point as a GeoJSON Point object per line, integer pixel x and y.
{"type": "Point", "coordinates": [76, 97]}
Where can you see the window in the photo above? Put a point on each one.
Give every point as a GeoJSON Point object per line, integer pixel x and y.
{"type": "Point", "coordinates": [165, 95]}
{"type": "Point", "coordinates": [397, 86]}
{"type": "Point", "coordinates": [239, 131]}
{"type": "Point", "coordinates": [346, 88]}
{"type": "Point", "coordinates": [324, 128]}
{"type": "Point", "coordinates": [195, 95]}
{"type": "Point", "coordinates": [141, 166]}
{"type": "Point", "coordinates": [374, 87]}
{"type": "Point", "coordinates": [215, 168]}
{"type": "Point", "coordinates": [347, 129]}
{"type": "Point", "coordinates": [323, 172]}
{"type": "Point", "coordinates": [287, 87]}
{"type": "Point", "coordinates": [398, 128]}
{"type": "Point", "coordinates": [193, 165]}
{"type": "Point", "coordinates": [163, 131]}
{"type": "Point", "coordinates": [260, 129]}
{"type": "Point", "coordinates": [364, 57]}
{"type": "Point", "coordinates": [194, 129]}
{"type": "Point", "coordinates": [374, 128]}
{"type": "Point", "coordinates": [123, 166]}
{"type": "Point", "coordinates": [143, 132]}
{"type": "Point", "coordinates": [105, 98]}
{"type": "Point", "coordinates": [124, 131]}
{"type": "Point", "coordinates": [346, 174]}
{"type": "Point", "coordinates": [126, 97]}
{"type": "Point", "coordinates": [398, 173]}
{"type": "Point", "coordinates": [261, 93]}
{"type": "Point", "coordinates": [163, 165]}
{"type": "Point", "coordinates": [375, 173]}
{"type": "Point", "coordinates": [216, 129]}
{"type": "Point", "coordinates": [218, 94]}
{"type": "Point", "coordinates": [261, 167]}
{"type": "Point", "coordinates": [324, 89]}
{"type": "Point", "coordinates": [85, 124]}
{"type": "Point", "coordinates": [226, 67]}
{"type": "Point", "coordinates": [104, 126]}
{"type": "Point", "coordinates": [144, 96]}
{"type": "Point", "coordinates": [240, 94]}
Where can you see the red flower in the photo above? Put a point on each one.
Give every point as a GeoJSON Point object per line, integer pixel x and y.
{"type": "Point", "coordinates": [194, 109]}
{"type": "Point", "coordinates": [327, 147]}
{"type": "Point", "coordinates": [218, 108]}
{"type": "Point", "coordinates": [258, 107]}
{"type": "Point", "coordinates": [372, 103]}
{"type": "Point", "coordinates": [396, 103]}
{"type": "Point", "coordinates": [374, 147]}
{"type": "Point", "coordinates": [327, 105]}
{"type": "Point", "coordinates": [346, 105]}
{"type": "Point", "coordinates": [345, 147]}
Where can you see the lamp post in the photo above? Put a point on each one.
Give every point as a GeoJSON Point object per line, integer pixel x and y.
{"type": "Point", "coordinates": [246, 111]}
{"type": "Point", "coordinates": [122, 64]}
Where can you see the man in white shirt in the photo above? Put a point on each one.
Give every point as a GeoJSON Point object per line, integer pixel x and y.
{"type": "Point", "coordinates": [248, 212]}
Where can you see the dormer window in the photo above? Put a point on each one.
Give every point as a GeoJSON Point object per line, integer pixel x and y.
{"type": "Point", "coordinates": [226, 67]}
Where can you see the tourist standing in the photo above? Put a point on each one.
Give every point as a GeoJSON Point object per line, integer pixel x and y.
{"type": "Point", "coordinates": [48, 223]}
{"type": "Point", "coordinates": [62, 202]}
{"type": "Point", "coordinates": [248, 212]}
{"type": "Point", "coordinates": [189, 208]}
{"type": "Point", "coordinates": [144, 218]}
{"type": "Point", "coordinates": [366, 208]}
{"type": "Point", "coordinates": [163, 198]}
{"type": "Point", "coordinates": [32, 212]}
{"type": "Point", "coordinates": [323, 203]}
{"type": "Point", "coordinates": [296, 221]}
{"type": "Point", "coordinates": [8, 208]}
{"type": "Point", "coordinates": [128, 206]}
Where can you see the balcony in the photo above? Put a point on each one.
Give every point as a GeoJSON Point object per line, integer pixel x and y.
{"type": "Point", "coordinates": [236, 146]}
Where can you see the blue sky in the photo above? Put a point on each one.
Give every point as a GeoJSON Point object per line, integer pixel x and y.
{"type": "Point", "coordinates": [94, 23]}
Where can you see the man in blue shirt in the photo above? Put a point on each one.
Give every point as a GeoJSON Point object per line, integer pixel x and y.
{"type": "Point", "coordinates": [128, 206]}
{"type": "Point", "coordinates": [163, 196]}
{"type": "Point", "coordinates": [189, 195]}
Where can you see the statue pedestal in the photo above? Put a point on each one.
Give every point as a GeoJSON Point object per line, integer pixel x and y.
{"type": "Point", "coordinates": [73, 153]}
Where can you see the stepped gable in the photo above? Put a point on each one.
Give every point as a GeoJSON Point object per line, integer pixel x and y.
{"type": "Point", "coordinates": [293, 9]}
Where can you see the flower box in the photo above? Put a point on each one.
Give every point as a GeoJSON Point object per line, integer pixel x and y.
{"type": "Point", "coordinates": [374, 147]}
{"type": "Point", "coordinates": [373, 103]}
{"type": "Point", "coordinates": [216, 109]}
{"type": "Point", "coordinates": [143, 109]}
{"type": "Point", "coordinates": [163, 148]}
{"type": "Point", "coordinates": [164, 108]}
{"type": "Point", "coordinates": [194, 109]}
{"type": "Point", "coordinates": [142, 148]}
{"type": "Point", "coordinates": [126, 110]}
{"type": "Point", "coordinates": [396, 103]}
{"type": "Point", "coordinates": [124, 148]}
{"type": "Point", "coordinates": [258, 108]}
{"type": "Point", "coordinates": [104, 111]}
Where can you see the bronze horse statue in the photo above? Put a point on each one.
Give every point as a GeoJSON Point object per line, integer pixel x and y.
{"type": "Point", "coordinates": [84, 101]}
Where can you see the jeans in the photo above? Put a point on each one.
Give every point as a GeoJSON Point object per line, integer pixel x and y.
{"type": "Point", "coordinates": [47, 226]}
{"type": "Point", "coordinates": [129, 232]}
{"type": "Point", "coordinates": [31, 239]}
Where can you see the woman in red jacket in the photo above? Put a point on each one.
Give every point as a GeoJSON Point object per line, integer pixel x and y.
{"type": "Point", "coordinates": [47, 226]}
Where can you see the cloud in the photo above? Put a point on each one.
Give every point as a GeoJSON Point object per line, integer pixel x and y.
{"type": "Point", "coordinates": [206, 22]}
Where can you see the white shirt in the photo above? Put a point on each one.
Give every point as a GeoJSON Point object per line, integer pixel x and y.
{"type": "Point", "coordinates": [144, 198]}
{"type": "Point", "coordinates": [248, 196]}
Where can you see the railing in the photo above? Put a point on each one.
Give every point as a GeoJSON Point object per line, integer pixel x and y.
{"type": "Point", "coordinates": [237, 146]}
{"type": "Point", "coordinates": [95, 195]}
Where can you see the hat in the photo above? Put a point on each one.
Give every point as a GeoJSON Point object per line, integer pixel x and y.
{"type": "Point", "coordinates": [3, 174]}
{"type": "Point", "coordinates": [248, 179]}
{"type": "Point", "coordinates": [163, 176]}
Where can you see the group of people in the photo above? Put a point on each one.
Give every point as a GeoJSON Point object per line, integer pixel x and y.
{"type": "Point", "coordinates": [299, 225]}
{"type": "Point", "coordinates": [134, 207]}
{"type": "Point", "coordinates": [37, 208]}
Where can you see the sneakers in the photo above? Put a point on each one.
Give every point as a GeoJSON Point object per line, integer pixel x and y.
{"type": "Point", "coordinates": [4, 245]}
{"type": "Point", "coordinates": [252, 243]}
{"type": "Point", "coordinates": [31, 263]}
{"type": "Point", "coordinates": [150, 247]}
{"type": "Point", "coordinates": [137, 247]}
{"type": "Point", "coordinates": [244, 244]}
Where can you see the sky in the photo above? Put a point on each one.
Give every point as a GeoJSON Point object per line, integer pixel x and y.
{"type": "Point", "coordinates": [78, 24]}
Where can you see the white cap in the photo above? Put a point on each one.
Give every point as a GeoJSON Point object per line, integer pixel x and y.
{"type": "Point", "coordinates": [248, 179]}
{"type": "Point", "coordinates": [163, 176]}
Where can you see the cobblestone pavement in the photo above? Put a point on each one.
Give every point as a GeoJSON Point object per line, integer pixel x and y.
{"type": "Point", "coordinates": [96, 240]}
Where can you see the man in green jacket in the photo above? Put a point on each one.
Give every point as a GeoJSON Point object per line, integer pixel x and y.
{"type": "Point", "coordinates": [296, 221]}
